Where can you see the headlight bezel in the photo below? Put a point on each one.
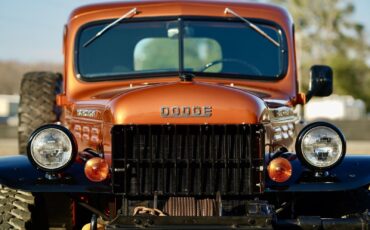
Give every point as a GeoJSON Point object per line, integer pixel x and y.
{"type": "Point", "coordinates": [71, 138]}
{"type": "Point", "coordinates": [302, 134]}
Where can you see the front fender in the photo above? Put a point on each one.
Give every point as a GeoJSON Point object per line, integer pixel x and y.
{"type": "Point", "coordinates": [18, 173]}
{"type": "Point", "coordinates": [352, 173]}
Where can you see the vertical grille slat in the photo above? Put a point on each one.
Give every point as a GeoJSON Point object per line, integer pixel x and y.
{"type": "Point", "coordinates": [139, 157]}
{"type": "Point", "coordinates": [162, 158]}
{"type": "Point", "coordinates": [149, 156]}
{"type": "Point", "coordinates": [213, 148]}
{"type": "Point", "coordinates": [224, 159]}
{"type": "Point", "coordinates": [183, 160]}
{"type": "Point", "coordinates": [126, 153]}
{"type": "Point", "coordinates": [174, 156]}
{"type": "Point", "coordinates": [199, 160]}
{"type": "Point", "coordinates": [248, 181]}
{"type": "Point", "coordinates": [188, 160]}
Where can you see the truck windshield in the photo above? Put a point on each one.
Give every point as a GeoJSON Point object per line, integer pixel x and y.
{"type": "Point", "coordinates": [204, 48]}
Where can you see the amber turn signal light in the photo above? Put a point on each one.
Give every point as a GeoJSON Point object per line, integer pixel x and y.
{"type": "Point", "coordinates": [96, 169]}
{"type": "Point", "coordinates": [279, 169]}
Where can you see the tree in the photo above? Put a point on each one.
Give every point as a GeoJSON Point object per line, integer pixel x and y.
{"type": "Point", "coordinates": [326, 34]}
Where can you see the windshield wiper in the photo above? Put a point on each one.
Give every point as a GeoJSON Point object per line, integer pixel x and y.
{"type": "Point", "coordinates": [102, 31]}
{"type": "Point", "coordinates": [253, 26]}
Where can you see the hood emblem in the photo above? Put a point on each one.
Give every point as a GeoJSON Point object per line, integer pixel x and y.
{"type": "Point", "coordinates": [186, 111]}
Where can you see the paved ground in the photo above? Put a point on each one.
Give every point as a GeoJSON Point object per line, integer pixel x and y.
{"type": "Point", "coordinates": [358, 147]}
{"type": "Point", "coordinates": [10, 146]}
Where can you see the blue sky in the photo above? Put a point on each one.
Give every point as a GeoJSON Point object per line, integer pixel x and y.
{"type": "Point", "coordinates": [31, 31]}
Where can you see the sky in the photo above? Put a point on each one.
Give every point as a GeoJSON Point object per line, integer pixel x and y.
{"type": "Point", "coordinates": [31, 31]}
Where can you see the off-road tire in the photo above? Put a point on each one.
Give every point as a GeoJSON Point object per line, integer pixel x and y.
{"type": "Point", "coordinates": [37, 104]}
{"type": "Point", "coordinates": [16, 209]}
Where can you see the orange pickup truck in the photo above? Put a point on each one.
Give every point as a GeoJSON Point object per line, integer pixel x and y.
{"type": "Point", "coordinates": [179, 114]}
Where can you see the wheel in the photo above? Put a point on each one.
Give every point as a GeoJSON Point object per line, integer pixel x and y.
{"type": "Point", "coordinates": [249, 66]}
{"type": "Point", "coordinates": [24, 210]}
{"type": "Point", "coordinates": [37, 104]}
{"type": "Point", "coordinates": [17, 210]}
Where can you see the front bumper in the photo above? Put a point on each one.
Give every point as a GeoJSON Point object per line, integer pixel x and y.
{"type": "Point", "coordinates": [359, 221]}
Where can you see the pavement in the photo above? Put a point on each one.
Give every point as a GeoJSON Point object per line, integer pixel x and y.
{"type": "Point", "coordinates": [358, 147]}
{"type": "Point", "coordinates": [9, 146]}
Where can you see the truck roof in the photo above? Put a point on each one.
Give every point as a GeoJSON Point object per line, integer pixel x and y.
{"type": "Point", "coordinates": [263, 9]}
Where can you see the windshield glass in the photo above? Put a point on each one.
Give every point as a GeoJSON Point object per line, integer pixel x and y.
{"type": "Point", "coordinates": [214, 48]}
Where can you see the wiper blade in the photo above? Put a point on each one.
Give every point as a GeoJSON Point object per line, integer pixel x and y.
{"type": "Point", "coordinates": [253, 26]}
{"type": "Point", "coordinates": [102, 31]}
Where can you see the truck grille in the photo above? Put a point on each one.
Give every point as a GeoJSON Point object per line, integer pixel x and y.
{"type": "Point", "coordinates": [187, 160]}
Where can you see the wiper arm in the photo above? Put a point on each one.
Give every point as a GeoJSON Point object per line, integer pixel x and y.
{"type": "Point", "coordinates": [102, 31]}
{"type": "Point", "coordinates": [253, 26]}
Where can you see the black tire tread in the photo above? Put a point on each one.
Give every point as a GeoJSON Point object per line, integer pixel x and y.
{"type": "Point", "coordinates": [15, 209]}
{"type": "Point", "coordinates": [37, 104]}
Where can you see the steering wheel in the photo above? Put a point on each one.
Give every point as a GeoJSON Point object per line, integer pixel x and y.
{"type": "Point", "coordinates": [251, 67]}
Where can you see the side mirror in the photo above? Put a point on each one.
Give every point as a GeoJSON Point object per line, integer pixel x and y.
{"type": "Point", "coordinates": [321, 82]}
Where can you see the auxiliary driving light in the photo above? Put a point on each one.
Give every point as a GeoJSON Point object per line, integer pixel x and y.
{"type": "Point", "coordinates": [96, 169]}
{"type": "Point", "coordinates": [51, 148]}
{"type": "Point", "coordinates": [320, 146]}
{"type": "Point", "coordinates": [279, 169]}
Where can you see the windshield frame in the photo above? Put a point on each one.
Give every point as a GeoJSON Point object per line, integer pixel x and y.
{"type": "Point", "coordinates": [133, 76]}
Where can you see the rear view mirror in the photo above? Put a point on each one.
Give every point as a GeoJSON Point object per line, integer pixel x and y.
{"type": "Point", "coordinates": [321, 82]}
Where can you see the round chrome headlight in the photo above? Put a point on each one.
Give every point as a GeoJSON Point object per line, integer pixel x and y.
{"type": "Point", "coordinates": [321, 146]}
{"type": "Point", "coordinates": [51, 148]}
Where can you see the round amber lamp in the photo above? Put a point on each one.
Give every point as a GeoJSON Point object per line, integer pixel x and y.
{"type": "Point", "coordinates": [96, 169]}
{"type": "Point", "coordinates": [279, 170]}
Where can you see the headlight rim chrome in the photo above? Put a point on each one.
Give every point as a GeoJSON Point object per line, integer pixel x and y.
{"type": "Point", "coordinates": [70, 137]}
{"type": "Point", "coordinates": [303, 133]}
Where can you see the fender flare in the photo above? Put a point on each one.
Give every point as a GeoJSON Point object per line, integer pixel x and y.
{"type": "Point", "coordinates": [17, 172]}
{"type": "Point", "coordinates": [353, 173]}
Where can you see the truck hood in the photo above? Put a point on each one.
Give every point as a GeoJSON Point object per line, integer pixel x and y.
{"type": "Point", "coordinates": [185, 103]}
